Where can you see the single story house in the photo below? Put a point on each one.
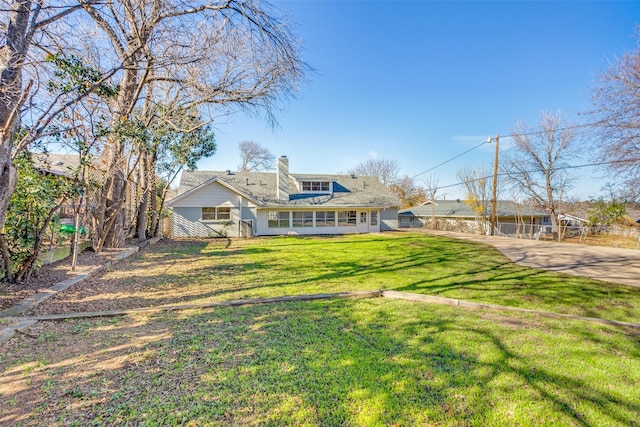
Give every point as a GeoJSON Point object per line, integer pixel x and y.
{"type": "Point", "coordinates": [245, 204]}
{"type": "Point", "coordinates": [511, 217]}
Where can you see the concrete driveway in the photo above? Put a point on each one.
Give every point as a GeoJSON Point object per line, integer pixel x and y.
{"type": "Point", "coordinates": [608, 264]}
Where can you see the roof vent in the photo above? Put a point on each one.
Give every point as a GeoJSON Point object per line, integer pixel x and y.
{"type": "Point", "coordinates": [458, 200]}
{"type": "Point", "coordinates": [58, 163]}
{"type": "Point", "coordinates": [353, 176]}
{"type": "Point", "coordinates": [228, 171]}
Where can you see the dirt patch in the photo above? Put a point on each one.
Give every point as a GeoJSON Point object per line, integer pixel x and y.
{"type": "Point", "coordinates": [151, 277]}
{"type": "Point", "coordinates": [50, 274]}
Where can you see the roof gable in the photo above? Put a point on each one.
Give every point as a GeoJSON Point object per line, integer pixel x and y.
{"type": "Point", "coordinates": [211, 181]}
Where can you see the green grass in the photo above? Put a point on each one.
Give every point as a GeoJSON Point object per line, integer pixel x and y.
{"type": "Point", "coordinates": [368, 362]}
{"type": "Point", "coordinates": [343, 362]}
{"type": "Point", "coordinates": [411, 262]}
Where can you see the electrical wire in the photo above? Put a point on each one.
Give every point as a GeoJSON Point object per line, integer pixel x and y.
{"type": "Point", "coordinates": [450, 160]}
{"type": "Point", "coordinates": [510, 135]}
{"type": "Point", "coordinates": [637, 159]}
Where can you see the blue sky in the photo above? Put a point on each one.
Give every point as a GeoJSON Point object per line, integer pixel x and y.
{"type": "Point", "coordinates": [423, 81]}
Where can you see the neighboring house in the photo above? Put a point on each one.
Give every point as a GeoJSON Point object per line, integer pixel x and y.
{"type": "Point", "coordinates": [511, 217]}
{"type": "Point", "coordinates": [58, 164]}
{"type": "Point", "coordinates": [245, 204]}
{"type": "Point", "coordinates": [65, 164]}
{"type": "Point", "coordinates": [568, 220]}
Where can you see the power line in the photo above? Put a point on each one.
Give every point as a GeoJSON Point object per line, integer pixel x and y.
{"type": "Point", "coordinates": [541, 170]}
{"type": "Point", "coordinates": [450, 160]}
{"type": "Point", "coordinates": [509, 135]}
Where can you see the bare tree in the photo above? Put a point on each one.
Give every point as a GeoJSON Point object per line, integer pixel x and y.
{"type": "Point", "coordinates": [478, 191]}
{"type": "Point", "coordinates": [536, 163]}
{"type": "Point", "coordinates": [616, 101]}
{"type": "Point", "coordinates": [386, 170]}
{"type": "Point", "coordinates": [431, 188]}
{"type": "Point", "coordinates": [241, 57]}
{"type": "Point", "coordinates": [255, 157]}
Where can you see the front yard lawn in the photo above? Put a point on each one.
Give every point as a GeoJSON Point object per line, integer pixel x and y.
{"type": "Point", "coordinates": [366, 362]}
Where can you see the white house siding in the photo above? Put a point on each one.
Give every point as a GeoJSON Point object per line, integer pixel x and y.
{"type": "Point", "coordinates": [263, 229]}
{"type": "Point", "coordinates": [210, 196]}
{"type": "Point", "coordinates": [187, 222]}
{"type": "Point", "coordinates": [187, 213]}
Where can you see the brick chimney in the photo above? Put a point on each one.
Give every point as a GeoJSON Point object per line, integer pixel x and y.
{"type": "Point", "coordinates": [282, 179]}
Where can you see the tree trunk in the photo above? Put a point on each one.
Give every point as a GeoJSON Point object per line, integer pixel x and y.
{"type": "Point", "coordinates": [6, 259]}
{"type": "Point", "coordinates": [12, 56]}
{"type": "Point", "coordinates": [153, 209]}
{"type": "Point", "coordinates": [143, 205]}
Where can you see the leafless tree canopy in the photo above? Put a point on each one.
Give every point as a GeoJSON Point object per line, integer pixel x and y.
{"type": "Point", "coordinates": [535, 164]}
{"type": "Point", "coordinates": [478, 190]}
{"type": "Point", "coordinates": [385, 170]}
{"type": "Point", "coordinates": [616, 101]}
{"type": "Point", "coordinates": [255, 157]}
{"type": "Point", "coordinates": [431, 187]}
{"type": "Point", "coordinates": [206, 57]}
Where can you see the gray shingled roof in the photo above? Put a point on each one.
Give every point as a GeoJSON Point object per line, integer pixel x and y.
{"type": "Point", "coordinates": [361, 191]}
{"type": "Point", "coordinates": [460, 209]}
{"type": "Point", "coordinates": [57, 163]}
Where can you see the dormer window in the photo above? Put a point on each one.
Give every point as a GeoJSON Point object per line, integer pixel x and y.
{"type": "Point", "coordinates": [324, 186]}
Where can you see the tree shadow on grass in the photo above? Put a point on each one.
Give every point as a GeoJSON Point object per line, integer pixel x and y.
{"type": "Point", "coordinates": [341, 362]}
{"type": "Point", "coordinates": [211, 270]}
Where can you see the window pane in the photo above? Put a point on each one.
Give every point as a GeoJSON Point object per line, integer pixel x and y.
{"type": "Point", "coordinates": [297, 219]}
{"type": "Point", "coordinates": [363, 217]}
{"type": "Point", "coordinates": [346, 218]}
{"type": "Point", "coordinates": [331, 219]}
{"type": "Point", "coordinates": [374, 217]}
{"type": "Point", "coordinates": [208, 214]}
{"type": "Point", "coordinates": [316, 186]}
{"type": "Point", "coordinates": [283, 219]}
{"type": "Point", "coordinates": [224, 213]}
{"type": "Point", "coordinates": [307, 219]}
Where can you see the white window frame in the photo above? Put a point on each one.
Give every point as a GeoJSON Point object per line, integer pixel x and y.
{"type": "Point", "coordinates": [347, 218]}
{"type": "Point", "coordinates": [316, 186]}
{"type": "Point", "coordinates": [302, 219]}
{"type": "Point", "coordinates": [373, 217]}
{"type": "Point", "coordinates": [215, 213]}
{"type": "Point", "coordinates": [278, 219]}
{"type": "Point", "coordinates": [326, 219]}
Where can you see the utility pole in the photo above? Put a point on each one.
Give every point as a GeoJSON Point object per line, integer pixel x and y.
{"type": "Point", "coordinates": [494, 199]}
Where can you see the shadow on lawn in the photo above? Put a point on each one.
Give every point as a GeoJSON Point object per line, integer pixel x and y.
{"type": "Point", "coordinates": [423, 264]}
{"type": "Point", "coordinates": [365, 362]}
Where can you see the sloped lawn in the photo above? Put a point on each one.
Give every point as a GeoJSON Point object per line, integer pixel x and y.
{"type": "Point", "coordinates": [217, 270]}
{"type": "Point", "coordinates": [367, 362]}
